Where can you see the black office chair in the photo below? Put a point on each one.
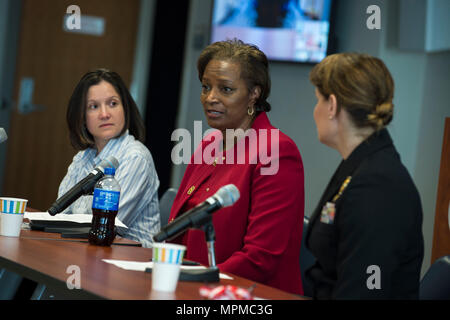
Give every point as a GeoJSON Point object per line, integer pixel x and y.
{"type": "Point", "coordinates": [165, 204]}
{"type": "Point", "coordinates": [9, 284]}
{"type": "Point", "coordinates": [306, 260]}
{"type": "Point", "coordinates": [435, 285]}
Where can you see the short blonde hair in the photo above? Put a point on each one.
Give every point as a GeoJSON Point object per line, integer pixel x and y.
{"type": "Point", "coordinates": [362, 84]}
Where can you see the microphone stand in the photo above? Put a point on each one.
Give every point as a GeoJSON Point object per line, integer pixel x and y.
{"type": "Point", "coordinates": [210, 274]}
{"type": "Point", "coordinates": [210, 236]}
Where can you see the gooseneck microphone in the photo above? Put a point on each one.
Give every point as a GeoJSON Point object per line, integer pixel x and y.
{"type": "Point", "coordinates": [83, 187]}
{"type": "Point", "coordinates": [3, 135]}
{"type": "Point", "coordinates": [193, 218]}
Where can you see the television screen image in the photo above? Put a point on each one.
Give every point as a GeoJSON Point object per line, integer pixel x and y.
{"type": "Point", "coordinates": [285, 30]}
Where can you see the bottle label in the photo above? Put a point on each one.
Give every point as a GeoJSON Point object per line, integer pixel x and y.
{"type": "Point", "coordinates": [106, 200]}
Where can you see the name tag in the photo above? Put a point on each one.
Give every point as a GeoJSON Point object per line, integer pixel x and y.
{"type": "Point", "coordinates": [328, 213]}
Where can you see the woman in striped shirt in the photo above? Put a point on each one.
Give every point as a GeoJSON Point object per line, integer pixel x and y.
{"type": "Point", "coordinates": [104, 121]}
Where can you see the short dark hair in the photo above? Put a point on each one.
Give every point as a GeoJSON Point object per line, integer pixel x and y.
{"type": "Point", "coordinates": [253, 62]}
{"type": "Point", "coordinates": [80, 138]}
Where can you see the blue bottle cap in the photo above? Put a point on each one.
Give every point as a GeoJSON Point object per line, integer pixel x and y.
{"type": "Point", "coordinates": [110, 171]}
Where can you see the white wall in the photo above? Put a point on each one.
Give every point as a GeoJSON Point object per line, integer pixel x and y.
{"type": "Point", "coordinates": [421, 104]}
{"type": "Point", "coordinates": [142, 57]}
{"type": "Point", "coordinates": [190, 108]}
{"type": "Point", "coordinates": [421, 101]}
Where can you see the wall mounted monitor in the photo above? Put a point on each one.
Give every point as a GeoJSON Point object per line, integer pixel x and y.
{"type": "Point", "coordinates": [285, 30]}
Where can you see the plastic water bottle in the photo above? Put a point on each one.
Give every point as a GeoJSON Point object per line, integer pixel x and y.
{"type": "Point", "coordinates": [104, 209]}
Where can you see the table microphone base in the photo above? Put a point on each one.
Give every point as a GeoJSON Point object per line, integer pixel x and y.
{"type": "Point", "coordinates": [202, 275]}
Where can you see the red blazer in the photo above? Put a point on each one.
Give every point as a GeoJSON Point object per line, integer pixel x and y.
{"type": "Point", "coordinates": [258, 237]}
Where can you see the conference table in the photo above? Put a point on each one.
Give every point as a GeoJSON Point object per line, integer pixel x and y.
{"type": "Point", "coordinates": [49, 259]}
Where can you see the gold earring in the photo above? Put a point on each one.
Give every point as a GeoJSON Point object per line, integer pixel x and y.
{"type": "Point", "coordinates": [250, 113]}
{"type": "Point", "coordinates": [330, 117]}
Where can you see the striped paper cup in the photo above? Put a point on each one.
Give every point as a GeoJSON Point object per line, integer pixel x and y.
{"type": "Point", "coordinates": [167, 259]}
{"type": "Point", "coordinates": [13, 205]}
{"type": "Point", "coordinates": [168, 253]}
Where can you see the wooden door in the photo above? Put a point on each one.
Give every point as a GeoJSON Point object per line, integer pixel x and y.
{"type": "Point", "coordinates": [39, 149]}
{"type": "Point", "coordinates": [441, 238]}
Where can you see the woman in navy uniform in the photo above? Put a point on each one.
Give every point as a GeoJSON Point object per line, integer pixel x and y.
{"type": "Point", "coordinates": [366, 231]}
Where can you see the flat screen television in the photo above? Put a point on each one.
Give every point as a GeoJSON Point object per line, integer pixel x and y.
{"type": "Point", "coordinates": [285, 30]}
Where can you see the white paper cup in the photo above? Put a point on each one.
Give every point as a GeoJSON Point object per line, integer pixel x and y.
{"type": "Point", "coordinates": [167, 258]}
{"type": "Point", "coordinates": [10, 224]}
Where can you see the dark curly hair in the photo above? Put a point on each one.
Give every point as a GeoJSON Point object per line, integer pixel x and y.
{"type": "Point", "coordinates": [253, 62]}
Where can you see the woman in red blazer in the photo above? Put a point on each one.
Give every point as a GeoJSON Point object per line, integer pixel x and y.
{"type": "Point", "coordinates": [259, 237]}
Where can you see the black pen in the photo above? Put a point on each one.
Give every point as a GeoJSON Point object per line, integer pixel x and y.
{"type": "Point", "coordinates": [189, 263]}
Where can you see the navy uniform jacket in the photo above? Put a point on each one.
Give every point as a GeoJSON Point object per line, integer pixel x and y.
{"type": "Point", "coordinates": [373, 249]}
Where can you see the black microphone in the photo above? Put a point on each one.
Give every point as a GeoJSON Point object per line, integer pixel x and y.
{"type": "Point", "coordinates": [194, 218]}
{"type": "Point", "coordinates": [83, 187]}
{"type": "Point", "coordinates": [3, 135]}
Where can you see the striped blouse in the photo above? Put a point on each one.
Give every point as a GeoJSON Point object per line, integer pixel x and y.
{"type": "Point", "coordinates": [136, 174]}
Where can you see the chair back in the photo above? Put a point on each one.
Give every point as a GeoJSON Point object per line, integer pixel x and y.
{"type": "Point", "coordinates": [435, 285]}
{"type": "Point", "coordinates": [165, 205]}
{"type": "Point", "coordinates": [306, 260]}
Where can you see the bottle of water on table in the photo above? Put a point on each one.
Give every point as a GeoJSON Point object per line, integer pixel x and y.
{"type": "Point", "coordinates": [105, 206]}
